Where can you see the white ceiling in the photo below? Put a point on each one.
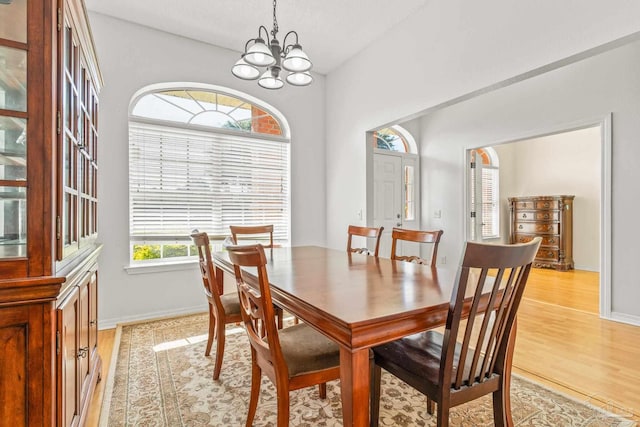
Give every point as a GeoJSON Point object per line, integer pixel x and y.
{"type": "Point", "coordinates": [331, 31]}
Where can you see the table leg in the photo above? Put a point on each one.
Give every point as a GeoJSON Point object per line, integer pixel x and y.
{"type": "Point", "coordinates": [354, 386]}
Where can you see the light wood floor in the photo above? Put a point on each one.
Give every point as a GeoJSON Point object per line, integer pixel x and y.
{"type": "Point", "coordinates": [561, 342]}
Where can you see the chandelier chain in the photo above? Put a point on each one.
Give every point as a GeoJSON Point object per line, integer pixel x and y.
{"type": "Point", "coordinates": [275, 21]}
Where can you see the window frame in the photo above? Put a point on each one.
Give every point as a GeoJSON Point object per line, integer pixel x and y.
{"type": "Point", "coordinates": [219, 133]}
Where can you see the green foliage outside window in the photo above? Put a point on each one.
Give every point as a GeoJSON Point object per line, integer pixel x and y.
{"type": "Point", "coordinates": [171, 251]}
{"type": "Point", "coordinates": [142, 252]}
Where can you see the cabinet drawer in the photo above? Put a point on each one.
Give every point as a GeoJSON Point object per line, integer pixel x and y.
{"type": "Point", "coordinates": [547, 204]}
{"type": "Point", "coordinates": [524, 227]}
{"type": "Point", "coordinates": [537, 204]}
{"type": "Point", "coordinates": [538, 216]}
{"type": "Point", "coordinates": [547, 254]}
{"type": "Point", "coordinates": [551, 240]}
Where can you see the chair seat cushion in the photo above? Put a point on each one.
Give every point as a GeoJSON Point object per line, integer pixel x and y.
{"type": "Point", "coordinates": [230, 303]}
{"type": "Point", "coordinates": [306, 350]}
{"type": "Point", "coordinates": [418, 355]}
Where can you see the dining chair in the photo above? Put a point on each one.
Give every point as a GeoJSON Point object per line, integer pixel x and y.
{"type": "Point", "coordinates": [223, 308]}
{"type": "Point", "coordinates": [368, 232]}
{"type": "Point", "coordinates": [418, 236]}
{"type": "Point", "coordinates": [293, 357]}
{"type": "Point", "coordinates": [252, 231]}
{"type": "Point", "coordinates": [489, 284]}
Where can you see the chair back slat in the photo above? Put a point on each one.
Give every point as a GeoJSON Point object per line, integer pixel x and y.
{"type": "Point", "coordinates": [258, 313]}
{"type": "Point", "coordinates": [490, 283]}
{"type": "Point", "coordinates": [253, 232]}
{"type": "Point", "coordinates": [367, 232]}
{"type": "Point", "coordinates": [417, 236]}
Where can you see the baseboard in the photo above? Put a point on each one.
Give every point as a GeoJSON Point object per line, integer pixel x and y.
{"type": "Point", "coordinates": [113, 322]}
{"type": "Point", "coordinates": [625, 318]}
{"type": "Point", "coordinates": [586, 268]}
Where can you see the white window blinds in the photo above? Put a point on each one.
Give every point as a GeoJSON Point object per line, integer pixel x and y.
{"type": "Point", "coordinates": [183, 179]}
{"type": "Point", "coordinates": [490, 203]}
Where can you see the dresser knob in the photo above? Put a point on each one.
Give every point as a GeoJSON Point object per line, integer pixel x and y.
{"type": "Point", "coordinates": [520, 227]}
{"type": "Point", "coordinates": [524, 215]}
{"type": "Point", "coordinates": [546, 216]}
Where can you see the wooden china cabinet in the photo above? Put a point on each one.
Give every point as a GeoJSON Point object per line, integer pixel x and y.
{"type": "Point", "coordinates": [49, 84]}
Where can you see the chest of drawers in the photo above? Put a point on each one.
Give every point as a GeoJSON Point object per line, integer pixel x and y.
{"type": "Point", "coordinates": [550, 217]}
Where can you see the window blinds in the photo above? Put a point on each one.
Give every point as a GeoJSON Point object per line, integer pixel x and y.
{"type": "Point", "coordinates": [490, 203]}
{"type": "Point", "coordinates": [181, 179]}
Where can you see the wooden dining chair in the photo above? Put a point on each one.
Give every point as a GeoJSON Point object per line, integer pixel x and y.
{"type": "Point", "coordinates": [368, 232]}
{"type": "Point", "coordinates": [489, 284]}
{"type": "Point", "coordinates": [223, 308]}
{"type": "Point", "coordinates": [293, 357]}
{"type": "Point", "coordinates": [252, 232]}
{"type": "Point", "coordinates": [418, 236]}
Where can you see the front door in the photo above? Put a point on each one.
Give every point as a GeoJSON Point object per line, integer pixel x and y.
{"type": "Point", "coordinates": [387, 197]}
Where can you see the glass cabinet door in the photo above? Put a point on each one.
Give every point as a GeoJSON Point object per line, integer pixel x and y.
{"type": "Point", "coordinates": [13, 129]}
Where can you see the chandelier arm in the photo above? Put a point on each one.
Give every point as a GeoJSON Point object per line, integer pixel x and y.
{"type": "Point", "coordinates": [285, 47]}
{"type": "Point", "coordinates": [262, 27]}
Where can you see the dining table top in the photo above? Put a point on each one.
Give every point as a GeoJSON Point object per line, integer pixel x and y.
{"type": "Point", "coordinates": [342, 293]}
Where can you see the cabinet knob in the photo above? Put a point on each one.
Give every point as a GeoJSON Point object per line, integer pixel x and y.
{"type": "Point", "coordinates": [93, 323]}
{"type": "Point", "coordinates": [520, 227]}
{"type": "Point", "coordinates": [524, 215]}
{"type": "Point", "coordinates": [546, 216]}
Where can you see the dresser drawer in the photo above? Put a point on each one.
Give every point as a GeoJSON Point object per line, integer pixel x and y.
{"type": "Point", "coordinates": [552, 240]}
{"type": "Point", "coordinates": [547, 254]}
{"type": "Point", "coordinates": [525, 227]}
{"type": "Point", "coordinates": [538, 216]}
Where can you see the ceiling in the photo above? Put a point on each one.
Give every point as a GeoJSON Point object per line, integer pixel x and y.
{"type": "Point", "coordinates": [331, 31]}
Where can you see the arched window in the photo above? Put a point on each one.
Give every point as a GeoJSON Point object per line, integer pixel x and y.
{"type": "Point", "coordinates": [485, 193]}
{"type": "Point", "coordinates": [203, 157]}
{"type": "Point", "coordinates": [394, 138]}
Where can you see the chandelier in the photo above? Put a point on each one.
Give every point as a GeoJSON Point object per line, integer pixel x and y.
{"type": "Point", "coordinates": [275, 58]}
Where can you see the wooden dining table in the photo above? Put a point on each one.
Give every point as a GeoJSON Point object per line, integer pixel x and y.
{"type": "Point", "coordinates": [358, 301]}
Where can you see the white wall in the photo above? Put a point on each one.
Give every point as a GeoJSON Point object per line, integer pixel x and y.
{"type": "Point", "coordinates": [564, 163]}
{"type": "Point", "coordinates": [131, 57]}
{"type": "Point", "coordinates": [455, 48]}
{"type": "Point", "coordinates": [586, 90]}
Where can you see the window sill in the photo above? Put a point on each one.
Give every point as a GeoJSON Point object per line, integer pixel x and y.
{"type": "Point", "coordinates": [160, 267]}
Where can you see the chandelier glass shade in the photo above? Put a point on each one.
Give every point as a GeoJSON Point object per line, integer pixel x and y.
{"type": "Point", "coordinates": [275, 58]}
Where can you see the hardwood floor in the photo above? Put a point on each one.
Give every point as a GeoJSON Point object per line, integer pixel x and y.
{"type": "Point", "coordinates": [561, 343]}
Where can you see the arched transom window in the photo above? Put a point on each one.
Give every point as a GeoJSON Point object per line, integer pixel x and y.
{"type": "Point", "coordinates": [394, 138]}
{"type": "Point", "coordinates": [203, 158]}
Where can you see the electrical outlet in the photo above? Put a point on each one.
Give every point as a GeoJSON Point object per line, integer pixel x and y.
{"type": "Point", "coordinates": [443, 260]}
{"type": "Point", "coordinates": [437, 213]}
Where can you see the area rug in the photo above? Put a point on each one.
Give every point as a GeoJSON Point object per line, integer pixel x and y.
{"type": "Point", "coordinates": [161, 377]}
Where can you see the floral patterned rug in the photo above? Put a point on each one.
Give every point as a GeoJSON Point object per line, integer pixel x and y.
{"type": "Point", "coordinates": [162, 378]}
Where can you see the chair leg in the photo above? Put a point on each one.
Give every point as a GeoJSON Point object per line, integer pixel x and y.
{"type": "Point", "coordinates": [376, 374]}
{"type": "Point", "coordinates": [256, 376]}
{"type": "Point", "coordinates": [283, 404]}
{"type": "Point", "coordinates": [443, 415]}
{"type": "Point", "coordinates": [501, 413]}
{"type": "Point", "coordinates": [220, 338]}
{"type": "Point", "coordinates": [322, 390]}
{"type": "Point", "coordinates": [431, 406]}
{"type": "Point", "coordinates": [212, 332]}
